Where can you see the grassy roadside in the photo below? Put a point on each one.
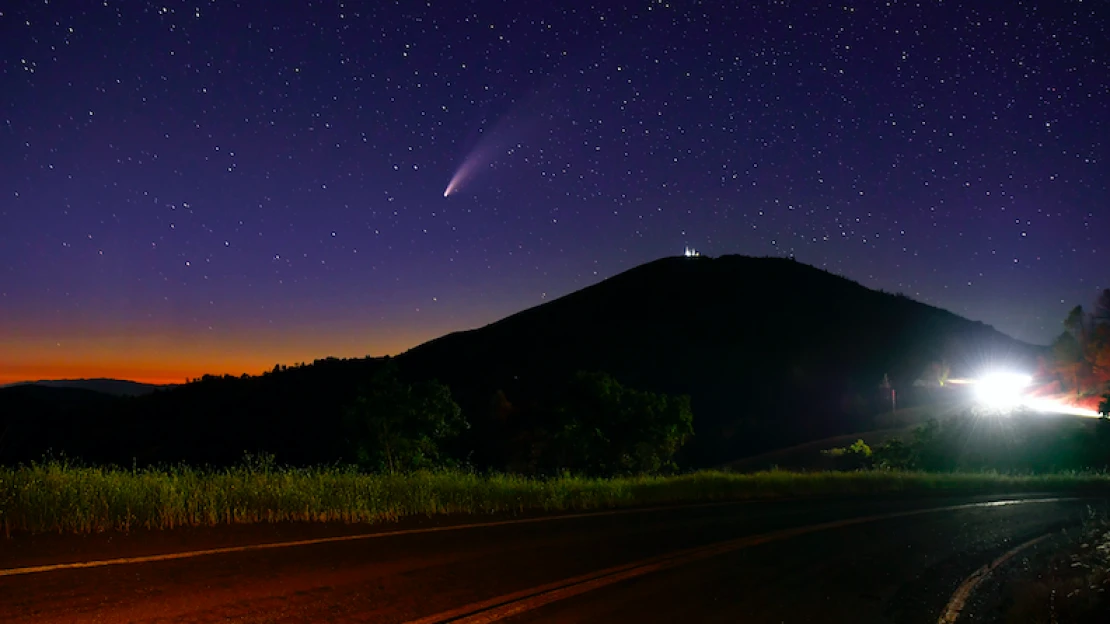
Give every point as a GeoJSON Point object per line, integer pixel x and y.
{"type": "Point", "coordinates": [1068, 587]}
{"type": "Point", "coordinates": [62, 498]}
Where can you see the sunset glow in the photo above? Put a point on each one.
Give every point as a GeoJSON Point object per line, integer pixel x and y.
{"type": "Point", "coordinates": [155, 358]}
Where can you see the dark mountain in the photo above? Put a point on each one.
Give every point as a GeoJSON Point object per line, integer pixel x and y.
{"type": "Point", "coordinates": [772, 352]}
{"type": "Point", "coordinates": [114, 387]}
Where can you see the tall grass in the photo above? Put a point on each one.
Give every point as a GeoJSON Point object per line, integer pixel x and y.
{"type": "Point", "coordinates": [66, 498]}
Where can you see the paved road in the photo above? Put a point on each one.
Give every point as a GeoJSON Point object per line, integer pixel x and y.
{"type": "Point", "coordinates": [874, 561]}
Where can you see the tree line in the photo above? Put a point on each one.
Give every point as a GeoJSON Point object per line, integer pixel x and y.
{"type": "Point", "coordinates": [597, 427]}
{"type": "Point", "coordinates": [372, 413]}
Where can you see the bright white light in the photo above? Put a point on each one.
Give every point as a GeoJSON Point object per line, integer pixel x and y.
{"type": "Point", "coordinates": [1002, 390]}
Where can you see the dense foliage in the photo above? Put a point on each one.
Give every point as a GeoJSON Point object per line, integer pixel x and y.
{"type": "Point", "coordinates": [398, 427]}
{"type": "Point", "coordinates": [604, 428]}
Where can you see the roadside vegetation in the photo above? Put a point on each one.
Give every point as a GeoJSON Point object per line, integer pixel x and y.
{"type": "Point", "coordinates": [69, 498]}
{"type": "Point", "coordinates": [1069, 586]}
{"type": "Point", "coordinates": [1021, 442]}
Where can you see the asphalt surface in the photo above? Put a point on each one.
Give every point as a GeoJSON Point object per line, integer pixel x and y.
{"type": "Point", "coordinates": [799, 561]}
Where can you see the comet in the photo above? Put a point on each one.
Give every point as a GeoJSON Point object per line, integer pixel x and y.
{"type": "Point", "coordinates": [481, 155]}
{"type": "Point", "coordinates": [502, 139]}
{"type": "Point", "coordinates": [492, 144]}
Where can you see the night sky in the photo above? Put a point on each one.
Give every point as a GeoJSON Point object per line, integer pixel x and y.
{"type": "Point", "coordinates": [221, 186]}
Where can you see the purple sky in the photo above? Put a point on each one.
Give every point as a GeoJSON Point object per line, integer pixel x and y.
{"type": "Point", "coordinates": [192, 187]}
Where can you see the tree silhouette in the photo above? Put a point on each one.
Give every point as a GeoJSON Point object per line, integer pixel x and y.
{"type": "Point", "coordinates": [1076, 323]}
{"type": "Point", "coordinates": [398, 427]}
{"type": "Point", "coordinates": [605, 428]}
{"type": "Point", "coordinates": [1068, 356]}
{"type": "Point", "coordinates": [1083, 351]}
{"type": "Point", "coordinates": [1102, 307]}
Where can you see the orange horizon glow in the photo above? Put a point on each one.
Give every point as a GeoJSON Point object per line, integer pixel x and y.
{"type": "Point", "coordinates": [164, 359]}
{"type": "Point", "coordinates": [145, 368]}
{"type": "Point", "coordinates": [159, 350]}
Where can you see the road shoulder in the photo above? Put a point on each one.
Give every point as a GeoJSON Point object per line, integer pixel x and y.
{"type": "Point", "coordinates": [1065, 580]}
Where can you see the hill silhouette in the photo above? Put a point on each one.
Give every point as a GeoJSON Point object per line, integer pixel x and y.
{"type": "Point", "coordinates": [772, 352]}
{"type": "Point", "coordinates": [114, 387]}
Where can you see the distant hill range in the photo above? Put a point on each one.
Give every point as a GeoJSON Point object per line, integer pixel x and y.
{"type": "Point", "coordinates": [772, 352]}
{"type": "Point", "coordinates": [114, 387]}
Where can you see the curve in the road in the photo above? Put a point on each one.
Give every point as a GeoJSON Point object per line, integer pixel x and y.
{"type": "Point", "coordinates": [516, 603]}
{"type": "Point", "coordinates": [956, 604]}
